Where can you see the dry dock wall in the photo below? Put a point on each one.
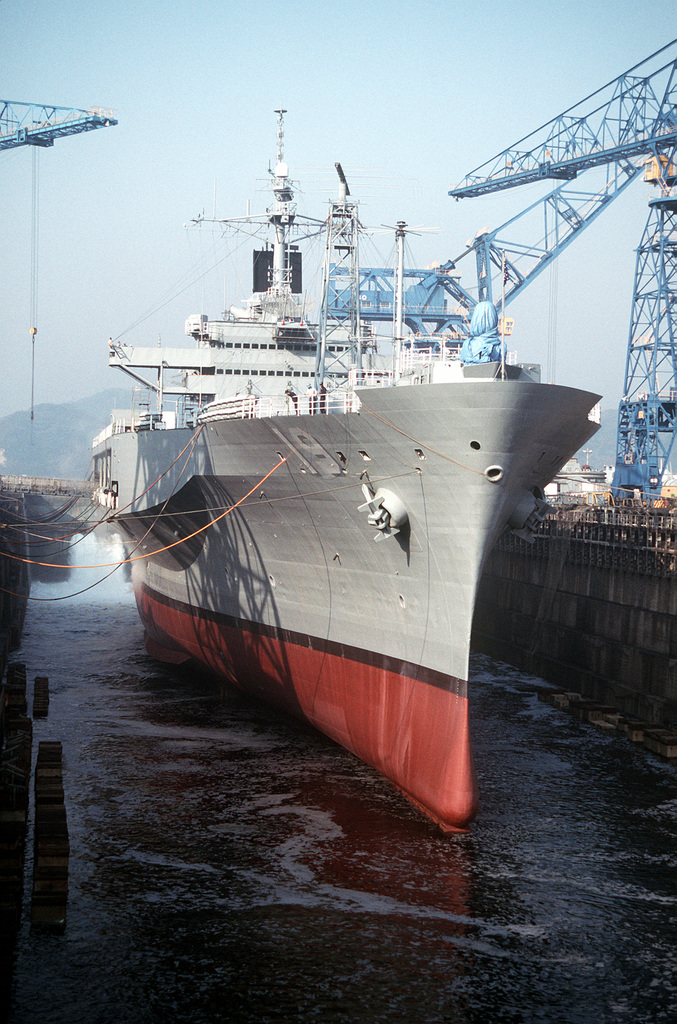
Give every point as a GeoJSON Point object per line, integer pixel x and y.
{"type": "Point", "coordinates": [590, 606]}
{"type": "Point", "coordinates": [14, 582]}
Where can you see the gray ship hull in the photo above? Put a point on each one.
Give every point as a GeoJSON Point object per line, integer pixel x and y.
{"type": "Point", "coordinates": [254, 553]}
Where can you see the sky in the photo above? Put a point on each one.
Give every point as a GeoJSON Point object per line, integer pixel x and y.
{"type": "Point", "coordinates": [409, 96]}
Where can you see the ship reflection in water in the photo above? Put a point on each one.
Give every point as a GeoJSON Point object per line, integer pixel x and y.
{"type": "Point", "coordinates": [228, 865]}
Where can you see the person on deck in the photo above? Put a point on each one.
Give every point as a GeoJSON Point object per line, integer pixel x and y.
{"type": "Point", "coordinates": [293, 398]}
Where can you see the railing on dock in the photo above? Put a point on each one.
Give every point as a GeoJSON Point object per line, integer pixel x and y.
{"type": "Point", "coordinates": [11, 483]}
{"type": "Point", "coordinates": [641, 540]}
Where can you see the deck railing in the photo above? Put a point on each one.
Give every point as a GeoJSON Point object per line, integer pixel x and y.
{"type": "Point", "coordinates": [252, 407]}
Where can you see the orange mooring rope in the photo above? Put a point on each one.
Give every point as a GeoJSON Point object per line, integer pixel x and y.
{"type": "Point", "coordinates": [150, 554]}
{"type": "Point", "coordinates": [107, 517]}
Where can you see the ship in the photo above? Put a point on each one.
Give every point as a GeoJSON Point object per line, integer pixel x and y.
{"type": "Point", "coordinates": [308, 517]}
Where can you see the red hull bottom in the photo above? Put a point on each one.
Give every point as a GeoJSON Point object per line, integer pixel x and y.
{"type": "Point", "coordinates": [414, 733]}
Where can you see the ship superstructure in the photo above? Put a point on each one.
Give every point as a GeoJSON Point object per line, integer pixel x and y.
{"type": "Point", "coordinates": [271, 338]}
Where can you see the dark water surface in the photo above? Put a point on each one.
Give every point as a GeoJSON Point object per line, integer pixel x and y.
{"type": "Point", "coordinates": [227, 865]}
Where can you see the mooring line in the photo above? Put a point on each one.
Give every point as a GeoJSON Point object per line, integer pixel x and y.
{"type": "Point", "coordinates": [158, 551]}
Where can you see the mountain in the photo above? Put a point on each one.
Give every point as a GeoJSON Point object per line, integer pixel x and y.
{"type": "Point", "coordinates": [59, 440]}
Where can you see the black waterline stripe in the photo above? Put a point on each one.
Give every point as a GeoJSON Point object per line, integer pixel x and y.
{"type": "Point", "coordinates": [358, 654]}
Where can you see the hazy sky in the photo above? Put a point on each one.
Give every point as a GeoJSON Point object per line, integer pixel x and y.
{"type": "Point", "coordinates": [408, 96]}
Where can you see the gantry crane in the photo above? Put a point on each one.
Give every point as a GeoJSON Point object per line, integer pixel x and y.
{"type": "Point", "coordinates": [628, 125]}
{"type": "Point", "coordinates": [647, 412]}
{"type": "Point", "coordinates": [615, 128]}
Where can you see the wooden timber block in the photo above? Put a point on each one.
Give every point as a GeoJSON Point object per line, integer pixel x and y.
{"type": "Point", "coordinates": [597, 715]}
{"type": "Point", "coordinates": [555, 698]}
{"type": "Point", "coordinates": [580, 708]}
{"type": "Point", "coordinates": [662, 742]}
{"type": "Point", "coordinates": [634, 730]}
{"type": "Point", "coordinates": [48, 911]}
{"type": "Point", "coordinates": [47, 886]}
{"type": "Point", "coordinates": [50, 749]}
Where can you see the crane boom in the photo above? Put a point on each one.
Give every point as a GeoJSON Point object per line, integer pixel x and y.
{"type": "Point", "coordinates": [33, 124]}
{"type": "Point", "coordinates": [38, 125]}
{"type": "Point", "coordinates": [618, 127]}
{"type": "Point", "coordinates": [633, 115]}
{"type": "Point", "coordinates": [556, 219]}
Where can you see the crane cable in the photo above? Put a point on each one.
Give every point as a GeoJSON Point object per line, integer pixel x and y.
{"type": "Point", "coordinates": [35, 221]}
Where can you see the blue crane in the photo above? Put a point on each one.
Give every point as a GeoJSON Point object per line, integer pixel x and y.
{"type": "Point", "coordinates": [38, 125]}
{"type": "Point", "coordinates": [35, 124]}
{"type": "Point", "coordinates": [647, 412]}
{"type": "Point", "coordinates": [627, 126]}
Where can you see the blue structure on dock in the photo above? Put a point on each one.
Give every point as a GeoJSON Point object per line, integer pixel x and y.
{"type": "Point", "coordinates": [434, 299]}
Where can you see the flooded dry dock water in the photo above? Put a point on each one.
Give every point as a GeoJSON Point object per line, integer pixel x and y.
{"type": "Point", "coordinates": [228, 865]}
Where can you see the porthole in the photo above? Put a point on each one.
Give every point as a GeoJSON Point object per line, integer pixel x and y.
{"type": "Point", "coordinates": [494, 473]}
{"type": "Point", "coordinates": [475, 445]}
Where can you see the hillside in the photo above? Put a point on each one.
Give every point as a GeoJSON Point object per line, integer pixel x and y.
{"type": "Point", "coordinates": [58, 442]}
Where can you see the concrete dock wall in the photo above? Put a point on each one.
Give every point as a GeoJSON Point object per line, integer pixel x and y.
{"type": "Point", "coordinates": [591, 606]}
{"type": "Point", "coordinates": [14, 577]}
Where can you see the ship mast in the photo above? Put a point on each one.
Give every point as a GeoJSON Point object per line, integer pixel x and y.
{"type": "Point", "coordinates": [281, 216]}
{"type": "Point", "coordinates": [341, 277]}
{"type": "Point", "coordinates": [399, 300]}
{"type": "Point", "coordinates": [278, 272]}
